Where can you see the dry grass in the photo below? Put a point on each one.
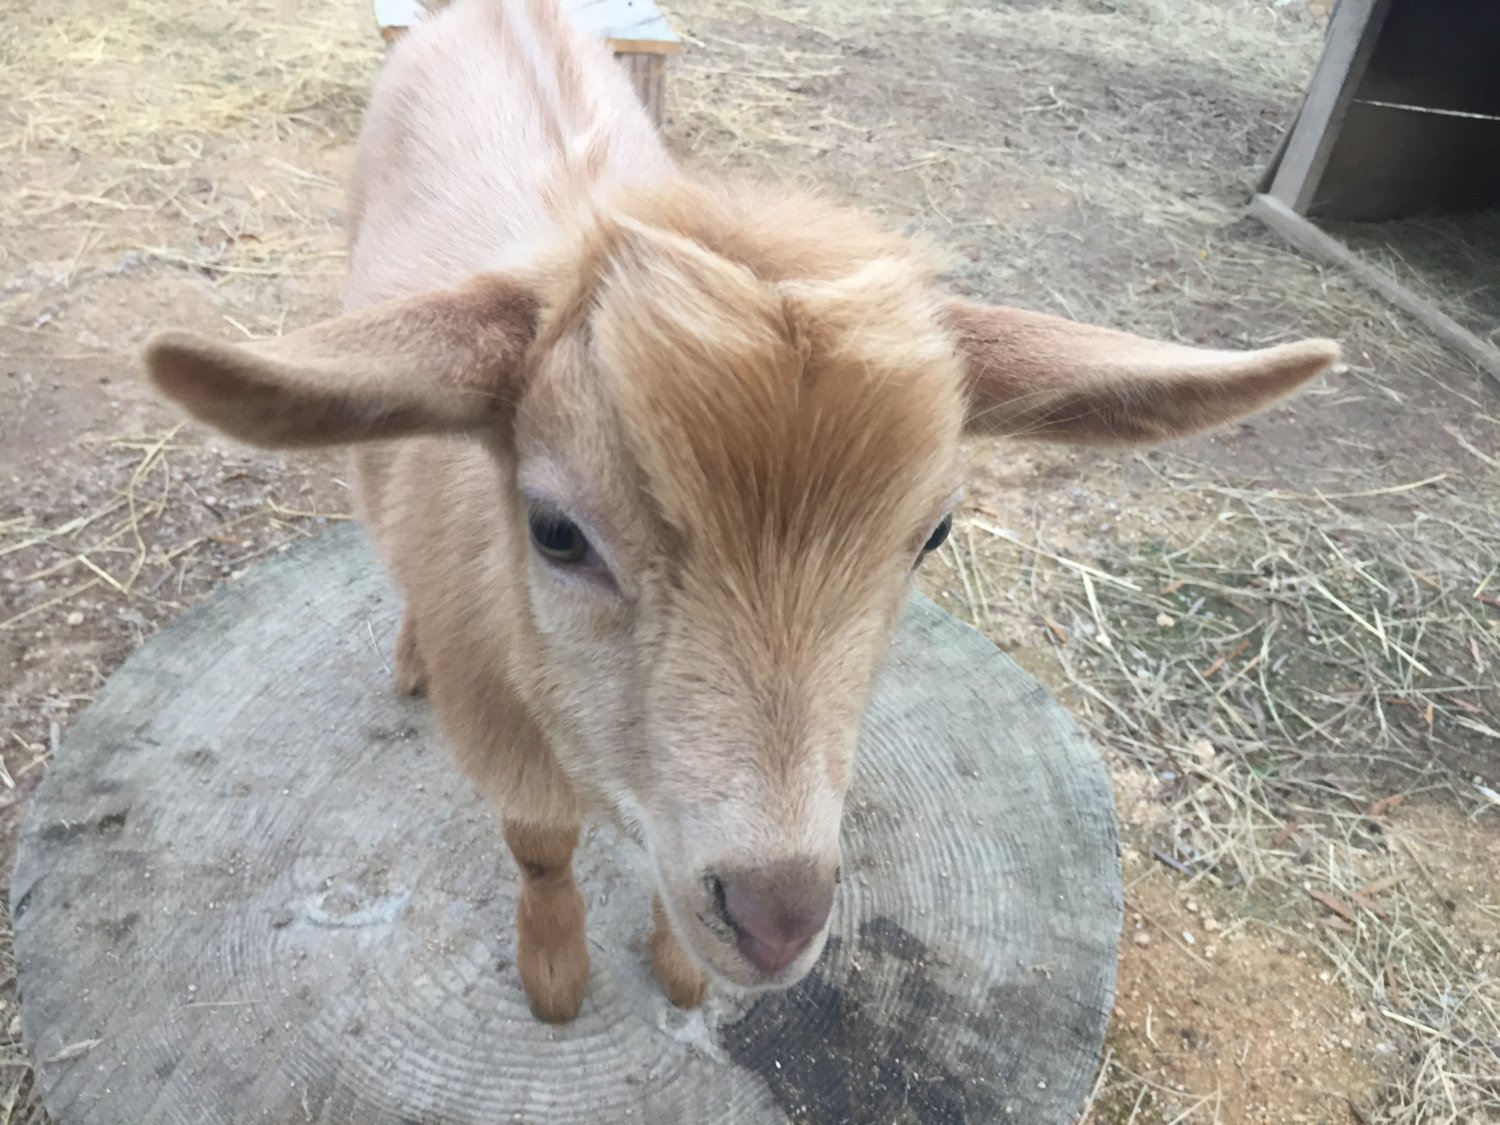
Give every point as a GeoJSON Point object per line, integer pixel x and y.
{"type": "Point", "coordinates": [19, 1104]}
{"type": "Point", "coordinates": [1389, 946]}
{"type": "Point", "coordinates": [82, 79]}
{"type": "Point", "coordinates": [130, 130]}
{"type": "Point", "coordinates": [124, 131]}
{"type": "Point", "coordinates": [127, 545]}
{"type": "Point", "coordinates": [1301, 665]}
{"type": "Point", "coordinates": [1448, 259]}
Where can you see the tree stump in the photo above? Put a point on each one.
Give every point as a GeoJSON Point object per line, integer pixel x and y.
{"type": "Point", "coordinates": [253, 888]}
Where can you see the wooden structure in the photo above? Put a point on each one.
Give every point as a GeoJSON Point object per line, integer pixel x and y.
{"type": "Point", "coordinates": [253, 888]}
{"type": "Point", "coordinates": [1402, 118]}
{"type": "Point", "coordinates": [642, 39]}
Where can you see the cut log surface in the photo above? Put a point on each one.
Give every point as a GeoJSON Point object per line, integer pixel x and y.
{"type": "Point", "coordinates": [254, 888]}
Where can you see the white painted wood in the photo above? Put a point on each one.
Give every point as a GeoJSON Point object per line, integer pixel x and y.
{"type": "Point", "coordinates": [631, 25]}
{"type": "Point", "coordinates": [634, 26]}
{"type": "Point", "coordinates": [398, 13]}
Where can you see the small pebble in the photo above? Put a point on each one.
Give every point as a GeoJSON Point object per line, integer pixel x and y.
{"type": "Point", "coordinates": [1142, 937]}
{"type": "Point", "coordinates": [75, 618]}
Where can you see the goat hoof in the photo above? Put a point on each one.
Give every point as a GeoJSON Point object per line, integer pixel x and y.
{"type": "Point", "coordinates": [411, 671]}
{"type": "Point", "coordinates": [555, 978]}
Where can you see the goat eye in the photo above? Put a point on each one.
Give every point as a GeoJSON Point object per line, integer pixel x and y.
{"type": "Point", "coordinates": [939, 534]}
{"type": "Point", "coordinates": [558, 539]}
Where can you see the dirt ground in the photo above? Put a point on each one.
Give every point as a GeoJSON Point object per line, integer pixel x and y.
{"type": "Point", "coordinates": [1312, 834]}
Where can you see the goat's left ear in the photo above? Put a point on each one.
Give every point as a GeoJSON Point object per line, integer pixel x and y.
{"type": "Point", "coordinates": [1035, 376]}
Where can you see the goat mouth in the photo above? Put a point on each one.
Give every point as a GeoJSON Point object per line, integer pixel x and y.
{"type": "Point", "coordinates": [720, 957]}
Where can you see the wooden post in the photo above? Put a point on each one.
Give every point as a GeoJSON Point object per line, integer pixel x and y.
{"type": "Point", "coordinates": [1346, 51]}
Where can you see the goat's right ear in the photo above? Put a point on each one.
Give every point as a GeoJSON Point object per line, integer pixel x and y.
{"type": "Point", "coordinates": [440, 362]}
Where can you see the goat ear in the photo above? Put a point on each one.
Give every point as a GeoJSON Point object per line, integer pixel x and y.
{"type": "Point", "coordinates": [440, 362]}
{"type": "Point", "coordinates": [1036, 376]}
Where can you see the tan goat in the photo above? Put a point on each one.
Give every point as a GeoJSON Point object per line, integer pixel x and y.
{"type": "Point", "coordinates": [654, 460]}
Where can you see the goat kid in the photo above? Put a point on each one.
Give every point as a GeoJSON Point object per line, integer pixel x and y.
{"type": "Point", "coordinates": [654, 459]}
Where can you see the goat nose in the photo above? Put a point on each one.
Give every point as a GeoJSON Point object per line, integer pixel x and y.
{"type": "Point", "coordinates": [777, 911]}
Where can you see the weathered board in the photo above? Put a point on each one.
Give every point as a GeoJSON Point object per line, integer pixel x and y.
{"type": "Point", "coordinates": [253, 888]}
{"type": "Point", "coordinates": [1401, 118]}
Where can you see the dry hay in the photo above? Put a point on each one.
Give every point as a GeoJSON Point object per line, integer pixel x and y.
{"type": "Point", "coordinates": [138, 118]}
{"type": "Point", "coordinates": [1448, 259]}
{"type": "Point", "coordinates": [740, 90]}
{"type": "Point", "coordinates": [18, 1101]}
{"type": "Point", "coordinates": [137, 543]}
{"type": "Point", "coordinates": [1303, 664]}
{"type": "Point", "coordinates": [154, 73]}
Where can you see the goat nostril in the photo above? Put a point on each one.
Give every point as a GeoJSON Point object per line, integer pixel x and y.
{"type": "Point", "coordinates": [715, 887]}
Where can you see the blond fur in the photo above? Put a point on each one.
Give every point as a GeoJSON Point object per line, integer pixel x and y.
{"type": "Point", "coordinates": [750, 400]}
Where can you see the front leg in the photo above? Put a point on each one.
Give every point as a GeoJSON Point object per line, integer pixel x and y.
{"type": "Point", "coordinates": [683, 981]}
{"type": "Point", "coordinates": [551, 951]}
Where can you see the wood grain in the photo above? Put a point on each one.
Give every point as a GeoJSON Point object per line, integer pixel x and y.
{"type": "Point", "coordinates": [1352, 35]}
{"type": "Point", "coordinates": [255, 886]}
